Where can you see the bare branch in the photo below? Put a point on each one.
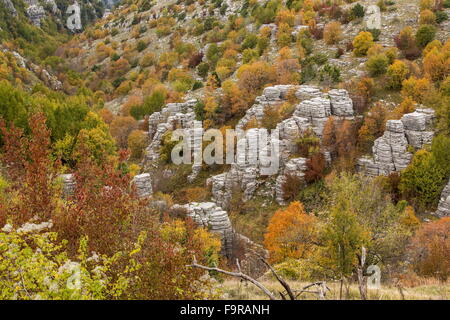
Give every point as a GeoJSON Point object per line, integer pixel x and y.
{"type": "Point", "coordinates": [280, 279]}
{"type": "Point", "coordinates": [236, 275]}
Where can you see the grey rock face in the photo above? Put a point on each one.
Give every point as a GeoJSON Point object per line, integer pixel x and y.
{"type": "Point", "coordinates": [143, 184]}
{"type": "Point", "coordinates": [214, 218]}
{"type": "Point", "coordinates": [443, 209]}
{"type": "Point", "coordinates": [10, 7]}
{"type": "Point", "coordinates": [35, 13]}
{"type": "Point", "coordinates": [249, 166]}
{"type": "Point", "coordinates": [50, 80]}
{"type": "Point", "coordinates": [418, 127]}
{"type": "Point", "coordinates": [390, 152]}
{"type": "Point", "coordinates": [341, 103]}
{"type": "Point", "coordinates": [372, 18]}
{"type": "Point", "coordinates": [312, 112]}
{"type": "Point", "coordinates": [174, 115]}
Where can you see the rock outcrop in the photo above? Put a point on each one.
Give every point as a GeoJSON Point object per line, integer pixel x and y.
{"type": "Point", "coordinates": [10, 7]}
{"type": "Point", "coordinates": [48, 79]}
{"type": "Point", "coordinates": [213, 218]}
{"type": "Point", "coordinates": [443, 209]}
{"type": "Point", "coordinates": [311, 113]}
{"type": "Point", "coordinates": [35, 12]}
{"type": "Point", "coordinates": [390, 151]}
{"type": "Point", "coordinates": [143, 184]}
{"type": "Point", "coordinates": [171, 117]}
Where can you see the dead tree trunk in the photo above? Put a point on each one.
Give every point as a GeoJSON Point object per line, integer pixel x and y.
{"type": "Point", "coordinates": [362, 283]}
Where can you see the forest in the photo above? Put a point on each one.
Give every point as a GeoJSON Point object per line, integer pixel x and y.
{"type": "Point", "coordinates": [93, 207]}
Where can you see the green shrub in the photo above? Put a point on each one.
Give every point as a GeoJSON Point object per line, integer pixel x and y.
{"type": "Point", "coordinates": [250, 42]}
{"type": "Point", "coordinates": [141, 45]}
{"type": "Point", "coordinates": [427, 174]}
{"type": "Point", "coordinates": [425, 34]}
{"type": "Point", "coordinates": [203, 69]}
{"type": "Point", "coordinates": [358, 11]}
{"type": "Point", "coordinates": [441, 16]}
{"type": "Point", "coordinates": [377, 64]}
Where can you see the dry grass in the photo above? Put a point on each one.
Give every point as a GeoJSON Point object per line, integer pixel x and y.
{"type": "Point", "coordinates": [431, 290]}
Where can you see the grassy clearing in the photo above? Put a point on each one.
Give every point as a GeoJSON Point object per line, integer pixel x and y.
{"type": "Point", "coordinates": [430, 290]}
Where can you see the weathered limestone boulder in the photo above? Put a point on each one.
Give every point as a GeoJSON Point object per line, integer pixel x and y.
{"type": "Point", "coordinates": [213, 218]}
{"type": "Point", "coordinates": [305, 92]}
{"type": "Point", "coordinates": [443, 209]}
{"type": "Point", "coordinates": [172, 112]}
{"type": "Point", "coordinates": [69, 184]}
{"type": "Point", "coordinates": [250, 165]}
{"type": "Point", "coordinates": [143, 184]}
{"type": "Point", "coordinates": [341, 103]}
{"type": "Point", "coordinates": [372, 18]}
{"type": "Point", "coordinates": [171, 117]}
{"type": "Point", "coordinates": [312, 112]}
{"type": "Point", "coordinates": [390, 152]}
{"type": "Point", "coordinates": [10, 7]}
{"type": "Point", "coordinates": [35, 13]}
{"type": "Point", "coordinates": [271, 97]}
{"type": "Point", "coordinates": [272, 93]}
{"type": "Point", "coordinates": [418, 127]}
{"type": "Point", "coordinates": [316, 111]}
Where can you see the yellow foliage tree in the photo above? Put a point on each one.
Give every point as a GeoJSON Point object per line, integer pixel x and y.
{"type": "Point", "coordinates": [362, 42]}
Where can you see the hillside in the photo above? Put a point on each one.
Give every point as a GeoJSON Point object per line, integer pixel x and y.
{"type": "Point", "coordinates": [341, 111]}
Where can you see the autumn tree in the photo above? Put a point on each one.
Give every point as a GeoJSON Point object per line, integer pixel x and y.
{"type": "Point", "coordinates": [435, 64]}
{"type": "Point", "coordinates": [360, 214]}
{"type": "Point", "coordinates": [425, 34]}
{"type": "Point", "coordinates": [377, 64]}
{"type": "Point", "coordinates": [315, 167]}
{"type": "Point", "coordinates": [346, 138]}
{"type": "Point", "coordinates": [396, 73]}
{"type": "Point", "coordinates": [119, 67]}
{"type": "Point", "coordinates": [120, 128]}
{"type": "Point", "coordinates": [430, 249]}
{"type": "Point", "coordinates": [406, 42]}
{"type": "Point", "coordinates": [406, 106]}
{"type": "Point", "coordinates": [137, 142]}
{"type": "Point", "coordinates": [427, 17]}
{"type": "Point", "coordinates": [332, 33]}
{"type": "Point", "coordinates": [253, 77]}
{"type": "Point", "coordinates": [31, 171]}
{"type": "Point", "coordinates": [291, 233]}
{"type": "Point", "coordinates": [417, 89]}
{"type": "Point", "coordinates": [373, 127]}
{"type": "Point", "coordinates": [362, 42]}
{"type": "Point", "coordinates": [329, 135]}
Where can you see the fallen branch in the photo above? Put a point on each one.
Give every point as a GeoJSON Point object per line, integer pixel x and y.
{"type": "Point", "coordinates": [238, 274]}
{"type": "Point", "coordinates": [280, 280]}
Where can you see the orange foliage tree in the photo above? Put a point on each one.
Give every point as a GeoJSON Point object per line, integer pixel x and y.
{"type": "Point", "coordinates": [373, 127]}
{"type": "Point", "coordinates": [431, 249]}
{"type": "Point", "coordinates": [291, 233]}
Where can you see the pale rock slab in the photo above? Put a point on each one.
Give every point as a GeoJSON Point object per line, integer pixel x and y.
{"type": "Point", "coordinates": [143, 184]}
{"type": "Point", "coordinates": [443, 209]}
